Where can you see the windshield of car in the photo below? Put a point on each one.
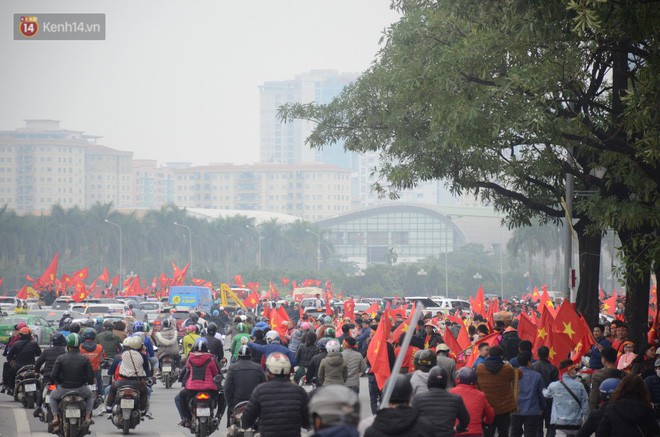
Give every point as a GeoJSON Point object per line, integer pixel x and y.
{"type": "Point", "coordinates": [149, 306]}
{"type": "Point", "coordinates": [10, 300]}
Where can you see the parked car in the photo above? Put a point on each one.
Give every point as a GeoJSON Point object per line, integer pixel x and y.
{"type": "Point", "coordinates": [8, 303]}
{"type": "Point", "coordinates": [42, 329]}
{"type": "Point", "coordinates": [95, 310]}
{"type": "Point", "coordinates": [452, 305]}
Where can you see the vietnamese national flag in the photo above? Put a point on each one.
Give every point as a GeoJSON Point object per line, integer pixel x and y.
{"type": "Point", "coordinates": [479, 303]}
{"type": "Point", "coordinates": [450, 341]}
{"type": "Point", "coordinates": [115, 281]}
{"type": "Point", "coordinates": [252, 300]}
{"type": "Point", "coordinates": [29, 278]}
{"type": "Point", "coordinates": [403, 327]}
{"type": "Point", "coordinates": [546, 302]}
{"type": "Point", "coordinates": [80, 275]}
{"type": "Point", "coordinates": [238, 280]}
{"type": "Point", "coordinates": [49, 275]}
{"type": "Point", "coordinates": [279, 321]}
{"type": "Point", "coordinates": [285, 281]}
{"type": "Point", "coordinates": [568, 324]}
{"type": "Point", "coordinates": [373, 310]}
{"type": "Point", "coordinates": [526, 329]}
{"type": "Point", "coordinates": [267, 311]}
{"type": "Point", "coordinates": [584, 343]}
{"type": "Point", "coordinates": [609, 305]}
{"type": "Point", "coordinates": [377, 351]}
{"type": "Point", "coordinates": [535, 295]}
{"type": "Point", "coordinates": [463, 338]}
{"type": "Point", "coordinates": [196, 281]}
{"type": "Point", "coordinates": [80, 292]}
{"type": "Point", "coordinates": [349, 309]}
{"type": "Point", "coordinates": [328, 308]}
{"type": "Point", "coordinates": [105, 276]}
{"type": "Point", "coordinates": [22, 293]}
{"type": "Point", "coordinates": [544, 329]}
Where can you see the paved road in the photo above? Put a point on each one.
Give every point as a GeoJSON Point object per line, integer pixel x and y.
{"type": "Point", "coordinates": [15, 421]}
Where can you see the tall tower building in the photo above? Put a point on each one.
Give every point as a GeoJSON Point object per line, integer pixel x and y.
{"type": "Point", "coordinates": [285, 143]}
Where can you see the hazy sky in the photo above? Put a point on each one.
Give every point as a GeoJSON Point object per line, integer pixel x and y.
{"type": "Point", "coordinates": [178, 80]}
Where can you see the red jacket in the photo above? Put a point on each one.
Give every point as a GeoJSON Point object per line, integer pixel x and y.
{"type": "Point", "coordinates": [477, 405]}
{"type": "Point", "coordinates": [201, 370]}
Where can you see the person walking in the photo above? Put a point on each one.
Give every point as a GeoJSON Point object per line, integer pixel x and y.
{"type": "Point", "coordinates": [529, 416]}
{"type": "Point", "coordinates": [498, 380]}
{"type": "Point", "coordinates": [609, 370]}
{"type": "Point", "coordinates": [570, 402]}
{"type": "Point", "coordinates": [441, 407]}
{"type": "Point", "coordinates": [355, 364]}
{"type": "Point", "coordinates": [475, 401]}
{"type": "Point", "coordinates": [333, 369]}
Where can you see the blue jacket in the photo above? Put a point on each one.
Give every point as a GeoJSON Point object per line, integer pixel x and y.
{"type": "Point", "coordinates": [653, 384]}
{"type": "Point", "coordinates": [594, 358]}
{"type": "Point", "coordinates": [530, 393]}
{"type": "Point", "coordinates": [565, 410]}
{"type": "Point", "coordinates": [268, 349]}
{"type": "Point", "coordinates": [361, 339]}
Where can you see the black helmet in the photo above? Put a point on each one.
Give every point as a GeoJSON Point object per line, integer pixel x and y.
{"type": "Point", "coordinates": [194, 317]}
{"type": "Point", "coordinates": [402, 389]}
{"type": "Point", "coordinates": [211, 328]}
{"type": "Point", "coordinates": [244, 353]}
{"type": "Point", "coordinates": [75, 328]}
{"type": "Point", "coordinates": [58, 339]}
{"type": "Point", "coordinates": [437, 378]}
{"type": "Point", "coordinates": [167, 323]}
{"type": "Point", "coordinates": [424, 359]}
{"type": "Point", "coordinates": [108, 325]}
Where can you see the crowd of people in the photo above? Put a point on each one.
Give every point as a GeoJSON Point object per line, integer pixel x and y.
{"type": "Point", "coordinates": [506, 389]}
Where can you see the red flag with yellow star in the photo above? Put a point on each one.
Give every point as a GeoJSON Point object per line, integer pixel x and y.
{"type": "Point", "coordinates": [559, 347]}
{"type": "Point", "coordinates": [373, 310]}
{"type": "Point", "coordinates": [585, 342]}
{"type": "Point", "coordinates": [403, 327]}
{"type": "Point", "coordinates": [479, 303]}
{"type": "Point", "coordinates": [526, 329]}
{"type": "Point", "coordinates": [349, 309]}
{"type": "Point", "coordinates": [609, 305]}
{"type": "Point", "coordinates": [49, 275]}
{"type": "Point", "coordinates": [252, 300]}
{"type": "Point", "coordinates": [567, 323]}
{"type": "Point", "coordinates": [544, 327]}
{"type": "Point", "coordinates": [80, 292]}
{"type": "Point", "coordinates": [377, 351]}
{"type": "Point", "coordinates": [491, 339]}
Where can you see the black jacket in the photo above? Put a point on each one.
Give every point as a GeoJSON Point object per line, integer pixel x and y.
{"type": "Point", "coordinates": [47, 360]}
{"type": "Point", "coordinates": [24, 352]}
{"type": "Point", "coordinates": [281, 407]}
{"type": "Point", "coordinates": [653, 384]}
{"type": "Point", "coordinates": [72, 370]}
{"type": "Point", "coordinates": [313, 367]}
{"type": "Point", "coordinates": [509, 344]}
{"type": "Point", "coordinates": [242, 378]}
{"type": "Point", "coordinates": [215, 347]}
{"type": "Point", "coordinates": [628, 417]}
{"type": "Point", "coordinates": [305, 353]}
{"type": "Point", "coordinates": [442, 408]}
{"type": "Point", "coordinates": [403, 421]}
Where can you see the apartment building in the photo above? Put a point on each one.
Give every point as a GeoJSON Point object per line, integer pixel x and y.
{"type": "Point", "coordinates": [310, 191]}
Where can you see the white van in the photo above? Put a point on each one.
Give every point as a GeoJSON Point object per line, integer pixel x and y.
{"type": "Point", "coordinates": [452, 305]}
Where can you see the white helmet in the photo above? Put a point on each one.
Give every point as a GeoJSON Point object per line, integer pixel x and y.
{"type": "Point", "coordinates": [272, 337]}
{"type": "Point", "coordinates": [278, 364]}
{"type": "Point", "coordinates": [332, 346]}
{"type": "Point", "coordinates": [135, 342]}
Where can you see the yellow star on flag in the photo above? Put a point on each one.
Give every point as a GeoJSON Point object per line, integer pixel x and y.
{"type": "Point", "coordinates": [542, 333]}
{"type": "Point", "coordinates": [568, 330]}
{"type": "Point", "coordinates": [606, 306]}
{"type": "Point", "coordinates": [577, 348]}
{"type": "Point", "coordinates": [377, 346]}
{"type": "Point", "coordinates": [552, 353]}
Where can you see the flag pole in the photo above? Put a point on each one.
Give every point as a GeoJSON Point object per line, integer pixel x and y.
{"type": "Point", "coordinates": [402, 353]}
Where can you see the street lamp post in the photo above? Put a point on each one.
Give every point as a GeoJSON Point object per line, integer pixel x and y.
{"type": "Point", "coordinates": [259, 245]}
{"type": "Point", "coordinates": [189, 245]}
{"type": "Point", "coordinates": [318, 249]}
{"type": "Point", "coordinates": [121, 261]}
{"type": "Point", "coordinates": [422, 275]}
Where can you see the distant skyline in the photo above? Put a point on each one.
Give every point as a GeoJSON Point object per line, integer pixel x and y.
{"type": "Point", "coordinates": [178, 81]}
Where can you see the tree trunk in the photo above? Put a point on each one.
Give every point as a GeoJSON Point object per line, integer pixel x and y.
{"type": "Point", "coordinates": [638, 278]}
{"type": "Point", "coordinates": [586, 300]}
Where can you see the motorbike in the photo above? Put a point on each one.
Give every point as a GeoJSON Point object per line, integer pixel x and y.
{"type": "Point", "coordinates": [169, 371]}
{"type": "Point", "coordinates": [98, 398]}
{"type": "Point", "coordinates": [105, 366]}
{"type": "Point", "coordinates": [46, 414]}
{"type": "Point", "coordinates": [27, 386]}
{"type": "Point", "coordinates": [72, 416]}
{"type": "Point", "coordinates": [126, 414]}
{"type": "Point", "coordinates": [202, 408]}
{"type": "Point", "coordinates": [235, 428]}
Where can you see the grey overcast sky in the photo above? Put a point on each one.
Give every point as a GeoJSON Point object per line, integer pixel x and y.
{"type": "Point", "coordinates": [178, 80]}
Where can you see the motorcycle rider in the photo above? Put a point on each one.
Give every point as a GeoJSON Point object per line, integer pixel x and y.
{"type": "Point", "coordinates": [133, 370]}
{"type": "Point", "coordinates": [273, 345]}
{"type": "Point", "coordinates": [95, 354]}
{"type": "Point", "coordinates": [334, 410]}
{"type": "Point", "coordinates": [15, 336]}
{"type": "Point", "coordinates": [45, 363]}
{"type": "Point", "coordinates": [242, 377]}
{"type": "Point", "coordinates": [110, 341]}
{"type": "Point", "coordinates": [167, 342]}
{"type": "Point", "coordinates": [200, 369]}
{"type": "Point", "coordinates": [189, 338]}
{"type": "Point", "coordinates": [216, 348]}
{"type": "Point", "coordinates": [279, 404]}
{"type": "Point", "coordinates": [72, 371]}
{"type": "Point", "coordinates": [22, 353]}
{"type": "Point", "coordinates": [236, 342]}
{"type": "Point", "coordinates": [142, 329]}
